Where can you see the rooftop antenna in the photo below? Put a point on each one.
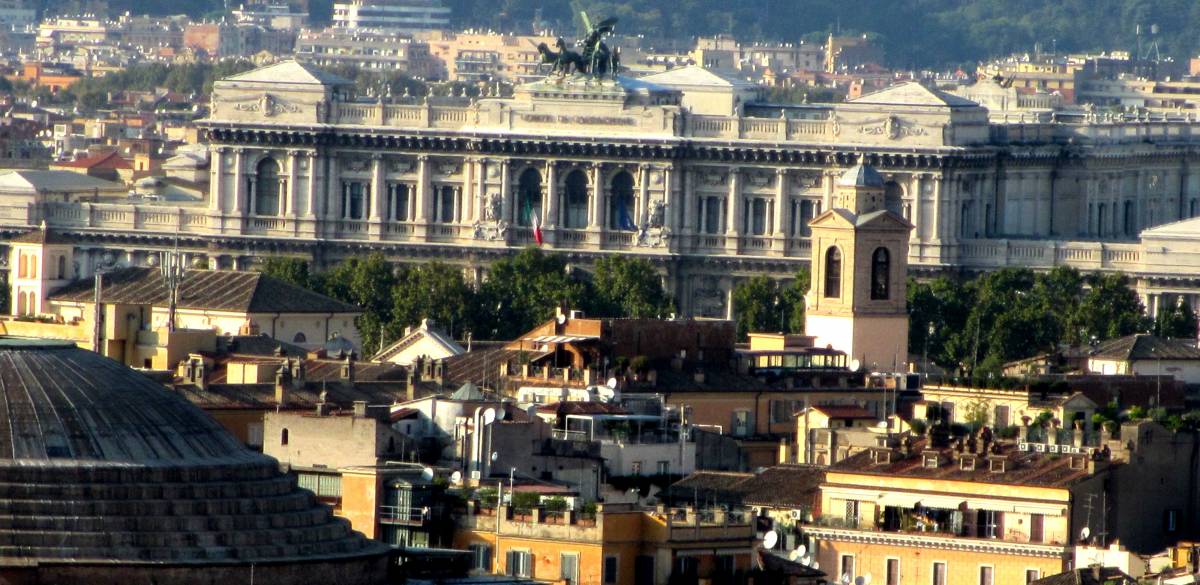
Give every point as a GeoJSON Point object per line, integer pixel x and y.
{"type": "Point", "coordinates": [172, 272]}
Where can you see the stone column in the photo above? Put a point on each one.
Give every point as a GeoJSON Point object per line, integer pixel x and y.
{"type": "Point", "coordinates": [506, 195]}
{"type": "Point", "coordinates": [596, 217]}
{"type": "Point", "coordinates": [551, 216]}
{"type": "Point", "coordinates": [671, 218]}
{"type": "Point", "coordinates": [217, 192]}
{"type": "Point", "coordinates": [331, 200]}
{"type": "Point", "coordinates": [643, 201]}
{"type": "Point", "coordinates": [239, 182]}
{"type": "Point", "coordinates": [938, 223]}
{"type": "Point", "coordinates": [733, 203]}
{"type": "Point", "coordinates": [310, 208]}
{"type": "Point", "coordinates": [691, 202]}
{"type": "Point", "coordinates": [421, 215]}
{"type": "Point", "coordinates": [377, 206]}
{"type": "Point", "coordinates": [293, 190]}
{"type": "Point", "coordinates": [782, 203]}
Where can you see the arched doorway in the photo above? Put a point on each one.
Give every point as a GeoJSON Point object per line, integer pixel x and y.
{"type": "Point", "coordinates": [620, 213]}
{"type": "Point", "coordinates": [266, 188]}
{"type": "Point", "coordinates": [529, 197]}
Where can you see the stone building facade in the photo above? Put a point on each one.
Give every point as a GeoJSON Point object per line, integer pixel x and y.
{"type": "Point", "coordinates": [303, 167]}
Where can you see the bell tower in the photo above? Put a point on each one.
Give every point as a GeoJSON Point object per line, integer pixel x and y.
{"type": "Point", "coordinates": [857, 302]}
{"type": "Point", "coordinates": [39, 262]}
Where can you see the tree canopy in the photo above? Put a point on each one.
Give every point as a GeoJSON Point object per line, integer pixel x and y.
{"type": "Point", "coordinates": [764, 304]}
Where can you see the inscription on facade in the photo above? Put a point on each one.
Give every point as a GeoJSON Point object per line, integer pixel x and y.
{"type": "Point", "coordinates": [578, 119]}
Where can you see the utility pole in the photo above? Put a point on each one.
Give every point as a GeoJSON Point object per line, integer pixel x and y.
{"type": "Point", "coordinates": [97, 313]}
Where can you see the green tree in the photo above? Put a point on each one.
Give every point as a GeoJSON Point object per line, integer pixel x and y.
{"type": "Point", "coordinates": [764, 304]}
{"type": "Point", "coordinates": [1110, 308]}
{"type": "Point", "coordinates": [523, 291]}
{"type": "Point", "coordinates": [435, 291]}
{"type": "Point", "coordinates": [287, 269]}
{"type": "Point", "coordinates": [366, 282]}
{"type": "Point", "coordinates": [1177, 321]}
{"type": "Point", "coordinates": [628, 287]}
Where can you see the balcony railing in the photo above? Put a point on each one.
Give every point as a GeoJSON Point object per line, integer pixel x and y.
{"type": "Point", "coordinates": [936, 540]}
{"type": "Point", "coordinates": [403, 515]}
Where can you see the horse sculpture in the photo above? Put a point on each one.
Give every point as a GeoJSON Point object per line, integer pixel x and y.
{"type": "Point", "coordinates": [563, 61]}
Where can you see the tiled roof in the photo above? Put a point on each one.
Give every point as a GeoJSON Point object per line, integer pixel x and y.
{"type": "Point", "coordinates": [1141, 346]}
{"type": "Point", "coordinates": [262, 396]}
{"type": "Point", "coordinates": [42, 235]}
{"type": "Point", "coordinates": [105, 160]}
{"type": "Point", "coordinates": [1022, 467]}
{"type": "Point", "coordinates": [214, 290]}
{"type": "Point", "coordinates": [781, 486]}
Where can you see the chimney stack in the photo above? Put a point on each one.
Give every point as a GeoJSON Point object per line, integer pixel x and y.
{"type": "Point", "coordinates": [360, 409]}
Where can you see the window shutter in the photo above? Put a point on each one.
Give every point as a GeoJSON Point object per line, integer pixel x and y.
{"type": "Point", "coordinates": [510, 563]}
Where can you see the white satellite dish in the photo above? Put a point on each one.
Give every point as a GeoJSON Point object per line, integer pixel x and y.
{"type": "Point", "coordinates": [456, 477]}
{"type": "Point", "coordinates": [770, 539]}
{"type": "Point", "coordinates": [426, 473]}
{"type": "Point", "coordinates": [795, 555]}
{"type": "Point", "coordinates": [883, 424]}
{"type": "Point", "coordinates": [1085, 533]}
{"type": "Point", "coordinates": [561, 318]}
{"type": "Point", "coordinates": [501, 414]}
{"type": "Point", "coordinates": [495, 455]}
{"type": "Point", "coordinates": [801, 550]}
{"type": "Point", "coordinates": [611, 383]}
{"type": "Point", "coordinates": [855, 365]}
{"type": "Point", "coordinates": [816, 565]}
{"type": "Point", "coordinates": [806, 560]}
{"type": "Point", "coordinates": [489, 416]}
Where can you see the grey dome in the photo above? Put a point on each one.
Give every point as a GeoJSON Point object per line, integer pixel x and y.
{"type": "Point", "coordinates": [861, 175]}
{"type": "Point", "coordinates": [107, 477]}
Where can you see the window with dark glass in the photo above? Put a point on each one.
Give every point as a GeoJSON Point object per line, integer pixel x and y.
{"type": "Point", "coordinates": [266, 188]}
{"type": "Point", "coordinates": [758, 216]}
{"type": "Point", "coordinates": [881, 266]}
{"type": "Point", "coordinates": [712, 215]}
{"type": "Point", "coordinates": [446, 204]}
{"type": "Point", "coordinates": [833, 273]}
{"type": "Point", "coordinates": [575, 210]}
{"type": "Point", "coordinates": [354, 195]}
{"type": "Point", "coordinates": [620, 213]}
{"type": "Point", "coordinates": [398, 194]}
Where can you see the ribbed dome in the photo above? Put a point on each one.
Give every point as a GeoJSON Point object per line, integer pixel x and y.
{"type": "Point", "coordinates": [106, 477]}
{"type": "Point", "coordinates": [58, 402]}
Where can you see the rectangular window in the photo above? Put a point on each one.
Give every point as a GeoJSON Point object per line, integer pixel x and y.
{"type": "Point", "coordinates": [1036, 527]}
{"type": "Point", "coordinates": [519, 564]}
{"type": "Point", "coordinates": [847, 567]}
{"type": "Point", "coordinates": [353, 199]}
{"type": "Point", "coordinates": [481, 557]}
{"type": "Point", "coordinates": [712, 215]}
{"type": "Point", "coordinates": [610, 570]}
{"type": "Point", "coordinates": [741, 423]}
{"type": "Point", "coordinates": [569, 568]}
{"type": "Point", "coordinates": [987, 524]}
{"type": "Point", "coordinates": [939, 574]}
{"type": "Point", "coordinates": [637, 468]}
{"type": "Point", "coordinates": [852, 513]}
{"type": "Point", "coordinates": [1170, 521]}
{"type": "Point", "coordinates": [893, 572]}
{"type": "Point", "coordinates": [664, 468]}
{"type": "Point", "coordinates": [398, 202]}
{"type": "Point", "coordinates": [985, 576]}
{"type": "Point", "coordinates": [1032, 575]}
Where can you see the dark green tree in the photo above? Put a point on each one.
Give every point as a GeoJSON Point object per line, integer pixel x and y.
{"type": "Point", "coordinates": [366, 282]}
{"type": "Point", "coordinates": [1110, 308]}
{"type": "Point", "coordinates": [432, 291]}
{"type": "Point", "coordinates": [764, 304]}
{"type": "Point", "coordinates": [287, 269]}
{"type": "Point", "coordinates": [1178, 321]}
{"type": "Point", "coordinates": [523, 291]}
{"type": "Point", "coordinates": [628, 287]}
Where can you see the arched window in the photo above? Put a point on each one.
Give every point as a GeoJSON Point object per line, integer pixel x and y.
{"type": "Point", "coordinates": [33, 266]}
{"type": "Point", "coordinates": [62, 267]}
{"type": "Point", "coordinates": [620, 212]}
{"type": "Point", "coordinates": [266, 188]}
{"type": "Point", "coordinates": [881, 266]}
{"type": "Point", "coordinates": [575, 208]}
{"type": "Point", "coordinates": [529, 196]}
{"type": "Point", "coordinates": [22, 305]}
{"type": "Point", "coordinates": [283, 437]}
{"type": "Point", "coordinates": [23, 266]}
{"type": "Point", "coordinates": [833, 273]}
{"type": "Point", "coordinates": [299, 338]}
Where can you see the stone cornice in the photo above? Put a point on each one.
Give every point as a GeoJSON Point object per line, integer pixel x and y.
{"type": "Point", "coordinates": [928, 541]}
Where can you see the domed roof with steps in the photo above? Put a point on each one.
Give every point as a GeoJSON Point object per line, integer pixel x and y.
{"type": "Point", "coordinates": [106, 477]}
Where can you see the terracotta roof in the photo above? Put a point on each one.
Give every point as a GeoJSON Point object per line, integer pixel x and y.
{"type": "Point", "coordinates": [215, 290]}
{"type": "Point", "coordinates": [42, 235]}
{"type": "Point", "coordinates": [1022, 467]}
{"type": "Point", "coordinates": [262, 396]}
{"type": "Point", "coordinates": [106, 160]}
{"type": "Point", "coordinates": [1142, 346]}
{"type": "Point", "coordinates": [781, 486]}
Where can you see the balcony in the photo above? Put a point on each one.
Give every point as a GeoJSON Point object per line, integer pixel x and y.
{"type": "Point", "coordinates": [935, 540]}
{"type": "Point", "coordinates": [401, 515]}
{"type": "Point", "coordinates": [705, 525]}
{"type": "Point", "coordinates": [569, 526]}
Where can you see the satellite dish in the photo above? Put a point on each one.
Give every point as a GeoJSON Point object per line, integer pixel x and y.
{"type": "Point", "coordinates": [501, 414]}
{"type": "Point", "coordinates": [795, 555]}
{"type": "Point", "coordinates": [816, 565]}
{"type": "Point", "coordinates": [495, 455]}
{"type": "Point", "coordinates": [489, 416]}
{"type": "Point", "coordinates": [611, 383]}
{"type": "Point", "coordinates": [456, 477]}
{"type": "Point", "coordinates": [770, 539]}
{"type": "Point", "coordinates": [561, 318]}
{"type": "Point", "coordinates": [801, 550]}
{"type": "Point", "coordinates": [883, 424]}
{"type": "Point", "coordinates": [426, 473]}
{"type": "Point", "coordinates": [1085, 533]}
{"type": "Point", "coordinates": [807, 560]}
{"type": "Point", "coordinates": [855, 365]}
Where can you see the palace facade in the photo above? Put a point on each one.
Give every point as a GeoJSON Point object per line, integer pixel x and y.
{"type": "Point", "coordinates": [301, 166]}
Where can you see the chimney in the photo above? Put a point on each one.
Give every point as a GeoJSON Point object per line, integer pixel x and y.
{"type": "Point", "coordinates": [282, 377]}
{"type": "Point", "coordinates": [360, 409]}
{"type": "Point", "coordinates": [348, 368]}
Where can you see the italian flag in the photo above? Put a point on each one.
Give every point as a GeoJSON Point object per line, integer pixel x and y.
{"type": "Point", "coordinates": [535, 221]}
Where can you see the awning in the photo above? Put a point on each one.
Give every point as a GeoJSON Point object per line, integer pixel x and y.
{"type": "Point", "coordinates": [560, 338]}
{"type": "Point", "coordinates": [942, 502]}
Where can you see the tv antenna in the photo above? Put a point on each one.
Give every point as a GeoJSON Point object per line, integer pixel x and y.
{"type": "Point", "coordinates": [171, 265]}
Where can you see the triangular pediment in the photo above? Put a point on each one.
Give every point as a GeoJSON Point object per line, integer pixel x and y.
{"type": "Point", "coordinates": [290, 72]}
{"type": "Point", "coordinates": [913, 94]}
{"type": "Point", "coordinates": [843, 218]}
{"type": "Point", "coordinates": [833, 218]}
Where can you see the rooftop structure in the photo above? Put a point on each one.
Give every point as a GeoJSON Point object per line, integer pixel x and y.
{"type": "Point", "coordinates": [405, 15]}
